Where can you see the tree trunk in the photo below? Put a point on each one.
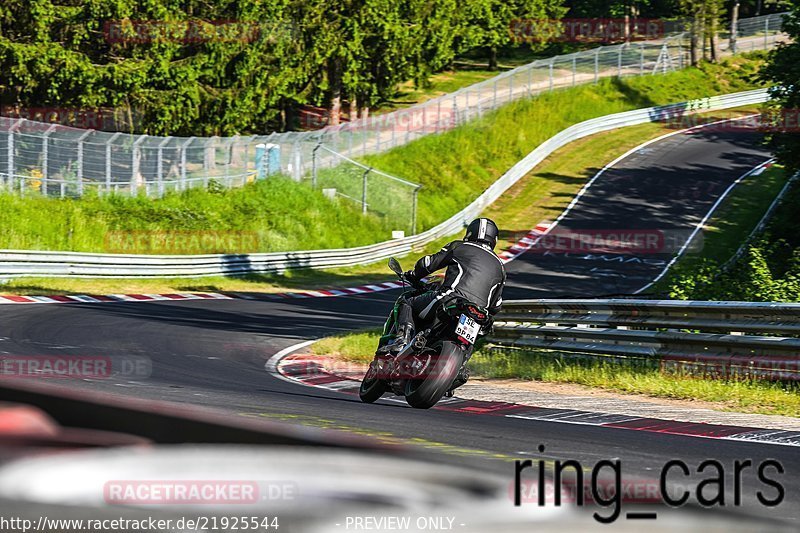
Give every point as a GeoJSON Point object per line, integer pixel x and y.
{"type": "Point", "coordinates": [492, 58]}
{"type": "Point", "coordinates": [335, 82]}
{"type": "Point", "coordinates": [352, 114]}
{"type": "Point", "coordinates": [713, 27]}
{"type": "Point", "coordinates": [695, 39]}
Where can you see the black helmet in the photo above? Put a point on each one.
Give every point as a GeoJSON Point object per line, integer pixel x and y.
{"type": "Point", "coordinates": [483, 231]}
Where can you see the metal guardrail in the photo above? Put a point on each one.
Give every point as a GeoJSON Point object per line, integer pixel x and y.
{"type": "Point", "coordinates": [756, 339]}
{"type": "Point", "coordinates": [24, 263]}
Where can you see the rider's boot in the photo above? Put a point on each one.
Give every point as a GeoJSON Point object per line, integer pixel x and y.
{"type": "Point", "coordinates": [405, 333]}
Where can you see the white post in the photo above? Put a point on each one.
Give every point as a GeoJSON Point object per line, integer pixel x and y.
{"type": "Point", "coordinates": [135, 165]}
{"type": "Point", "coordinates": [183, 161]}
{"type": "Point", "coordinates": [574, 68]}
{"type": "Point", "coordinates": [45, 156]}
{"type": "Point", "coordinates": [597, 63]}
{"type": "Point", "coordinates": [11, 153]}
{"type": "Point", "coordinates": [108, 160]}
{"type": "Point", "coordinates": [79, 172]}
{"type": "Point", "coordinates": [160, 166]}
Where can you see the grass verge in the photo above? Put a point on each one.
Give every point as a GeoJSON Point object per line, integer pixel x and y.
{"type": "Point", "coordinates": [642, 377]}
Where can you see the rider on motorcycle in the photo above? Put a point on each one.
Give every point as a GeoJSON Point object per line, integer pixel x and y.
{"type": "Point", "coordinates": [474, 272]}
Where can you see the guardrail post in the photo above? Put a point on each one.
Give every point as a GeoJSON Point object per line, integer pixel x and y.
{"type": "Point", "coordinates": [619, 61]}
{"type": "Point", "coordinates": [550, 67]}
{"type": "Point", "coordinates": [766, 33]}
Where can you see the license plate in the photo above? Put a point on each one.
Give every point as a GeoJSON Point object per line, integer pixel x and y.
{"type": "Point", "coordinates": [467, 329]}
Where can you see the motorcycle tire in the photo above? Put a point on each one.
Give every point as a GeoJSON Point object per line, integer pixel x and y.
{"type": "Point", "coordinates": [425, 393]}
{"type": "Point", "coordinates": [372, 387]}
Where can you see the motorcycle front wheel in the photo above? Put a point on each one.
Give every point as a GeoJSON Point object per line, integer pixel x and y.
{"type": "Point", "coordinates": [423, 393]}
{"type": "Point", "coordinates": [372, 387]}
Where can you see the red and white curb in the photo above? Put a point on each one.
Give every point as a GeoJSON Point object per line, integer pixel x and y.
{"type": "Point", "coordinates": [94, 298]}
{"type": "Point", "coordinates": [525, 243]}
{"type": "Point", "coordinates": [335, 375]}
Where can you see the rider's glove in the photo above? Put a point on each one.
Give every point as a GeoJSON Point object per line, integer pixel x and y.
{"type": "Point", "coordinates": [410, 277]}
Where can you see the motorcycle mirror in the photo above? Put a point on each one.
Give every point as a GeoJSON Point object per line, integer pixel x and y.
{"type": "Point", "coordinates": [395, 266]}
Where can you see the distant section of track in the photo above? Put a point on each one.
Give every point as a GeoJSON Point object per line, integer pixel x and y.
{"type": "Point", "coordinates": [665, 188]}
{"type": "Point", "coordinates": [213, 353]}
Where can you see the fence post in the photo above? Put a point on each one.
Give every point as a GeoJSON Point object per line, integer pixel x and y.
{"type": "Point", "coordinates": [530, 80]}
{"type": "Point", "coordinates": [597, 63]}
{"type": "Point", "coordinates": [364, 192]}
{"type": "Point", "coordinates": [11, 153]}
{"type": "Point", "coordinates": [619, 61]}
{"type": "Point", "coordinates": [414, 210]}
{"type": "Point", "coordinates": [766, 32]}
{"type": "Point", "coordinates": [160, 166]}
{"type": "Point", "coordinates": [135, 165]}
{"type": "Point", "coordinates": [45, 156]}
{"type": "Point", "coordinates": [574, 68]}
{"type": "Point", "coordinates": [108, 160]}
{"type": "Point", "coordinates": [641, 58]}
{"type": "Point", "coordinates": [183, 161]}
{"type": "Point", "coordinates": [314, 164]}
{"type": "Point", "coordinates": [550, 67]}
{"type": "Point", "coordinates": [79, 172]}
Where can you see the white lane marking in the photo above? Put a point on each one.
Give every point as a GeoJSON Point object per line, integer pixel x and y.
{"type": "Point", "coordinates": [271, 365]}
{"type": "Point", "coordinates": [702, 224]}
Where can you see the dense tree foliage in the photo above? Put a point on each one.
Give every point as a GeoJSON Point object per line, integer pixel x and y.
{"type": "Point", "coordinates": [783, 69]}
{"type": "Point", "coordinates": [194, 67]}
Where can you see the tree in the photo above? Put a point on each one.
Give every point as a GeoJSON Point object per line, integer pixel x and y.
{"type": "Point", "coordinates": [783, 69]}
{"type": "Point", "coordinates": [489, 22]}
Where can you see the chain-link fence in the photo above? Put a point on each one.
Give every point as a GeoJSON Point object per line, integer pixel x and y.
{"type": "Point", "coordinates": [372, 190]}
{"type": "Point", "coordinates": [63, 161]}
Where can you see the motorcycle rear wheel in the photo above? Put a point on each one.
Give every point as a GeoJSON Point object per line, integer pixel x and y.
{"type": "Point", "coordinates": [426, 392]}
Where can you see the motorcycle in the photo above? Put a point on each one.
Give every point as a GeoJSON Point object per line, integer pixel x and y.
{"type": "Point", "coordinates": [433, 364]}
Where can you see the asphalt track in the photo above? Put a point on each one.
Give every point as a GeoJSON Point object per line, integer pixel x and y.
{"type": "Point", "coordinates": [213, 353]}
